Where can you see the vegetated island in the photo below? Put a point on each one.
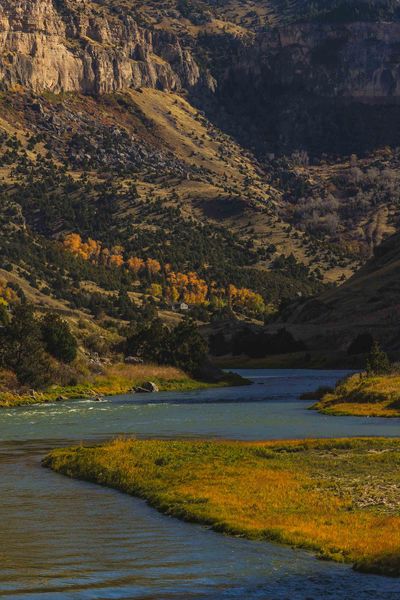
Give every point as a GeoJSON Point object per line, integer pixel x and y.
{"type": "Point", "coordinates": [363, 395]}
{"type": "Point", "coordinates": [373, 393]}
{"type": "Point", "coordinates": [337, 497]}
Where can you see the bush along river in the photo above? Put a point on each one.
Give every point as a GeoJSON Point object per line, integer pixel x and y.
{"type": "Point", "coordinates": [63, 538]}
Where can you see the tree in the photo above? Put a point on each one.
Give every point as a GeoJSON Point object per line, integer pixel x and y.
{"type": "Point", "coordinates": [155, 290]}
{"type": "Point", "coordinates": [153, 267]}
{"type": "Point", "coordinates": [22, 348]}
{"type": "Point", "coordinates": [182, 346]}
{"type": "Point", "coordinates": [135, 265]}
{"type": "Point", "coordinates": [148, 340]}
{"type": "Point", "coordinates": [58, 339]}
{"type": "Point", "coordinates": [188, 350]}
{"type": "Point", "coordinates": [4, 317]}
{"type": "Point", "coordinates": [378, 362]}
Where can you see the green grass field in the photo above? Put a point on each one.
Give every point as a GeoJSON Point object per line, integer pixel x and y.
{"type": "Point", "coordinates": [339, 498]}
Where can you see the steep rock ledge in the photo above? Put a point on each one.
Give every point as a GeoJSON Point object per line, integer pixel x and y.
{"type": "Point", "coordinates": [43, 47]}
{"type": "Point", "coordinates": [359, 61]}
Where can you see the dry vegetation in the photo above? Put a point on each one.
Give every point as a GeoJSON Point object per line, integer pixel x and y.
{"type": "Point", "coordinates": [339, 498]}
{"type": "Point", "coordinates": [111, 381]}
{"type": "Point", "coordinates": [361, 395]}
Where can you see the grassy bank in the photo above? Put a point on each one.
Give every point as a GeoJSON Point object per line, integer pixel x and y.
{"type": "Point", "coordinates": [116, 379]}
{"type": "Point", "coordinates": [339, 498]}
{"type": "Point", "coordinates": [362, 395]}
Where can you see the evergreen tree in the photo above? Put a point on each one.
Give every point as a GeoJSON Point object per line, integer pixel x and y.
{"type": "Point", "coordinates": [22, 348]}
{"type": "Point", "coordinates": [58, 339]}
{"type": "Point", "coordinates": [187, 347]}
{"type": "Point", "coordinates": [378, 361]}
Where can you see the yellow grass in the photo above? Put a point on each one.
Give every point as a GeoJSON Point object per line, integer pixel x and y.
{"type": "Point", "coordinates": [303, 493]}
{"type": "Point", "coordinates": [116, 379]}
{"type": "Point", "coordinates": [377, 396]}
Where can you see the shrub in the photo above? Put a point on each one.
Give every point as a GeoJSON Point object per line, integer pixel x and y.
{"type": "Point", "coordinates": [58, 339]}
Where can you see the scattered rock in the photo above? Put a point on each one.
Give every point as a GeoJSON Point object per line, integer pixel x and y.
{"type": "Point", "coordinates": [133, 360]}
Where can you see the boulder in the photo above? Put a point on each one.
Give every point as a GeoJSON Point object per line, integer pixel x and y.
{"type": "Point", "coordinates": [147, 387]}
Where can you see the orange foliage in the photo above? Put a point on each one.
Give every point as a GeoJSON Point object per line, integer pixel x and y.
{"type": "Point", "coordinates": [184, 287]}
{"type": "Point", "coordinates": [89, 250]}
{"type": "Point", "coordinates": [153, 266]}
{"type": "Point", "coordinates": [116, 260]}
{"type": "Point", "coordinates": [188, 288]}
{"type": "Point", "coordinates": [135, 264]}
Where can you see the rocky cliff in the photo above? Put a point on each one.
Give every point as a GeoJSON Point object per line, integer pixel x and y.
{"type": "Point", "coordinates": [349, 60]}
{"type": "Point", "coordinates": [76, 45]}
{"type": "Point", "coordinates": [313, 86]}
{"type": "Point", "coordinates": [64, 46]}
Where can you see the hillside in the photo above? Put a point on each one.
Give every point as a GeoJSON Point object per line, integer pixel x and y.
{"type": "Point", "coordinates": [367, 302]}
{"type": "Point", "coordinates": [194, 134]}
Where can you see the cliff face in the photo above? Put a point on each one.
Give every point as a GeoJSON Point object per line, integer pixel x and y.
{"type": "Point", "coordinates": [351, 60]}
{"type": "Point", "coordinates": [314, 86]}
{"type": "Point", "coordinates": [66, 46]}
{"type": "Point", "coordinates": [75, 45]}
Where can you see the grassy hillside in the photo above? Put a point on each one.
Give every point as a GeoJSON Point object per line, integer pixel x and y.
{"type": "Point", "coordinates": [368, 302]}
{"type": "Point", "coordinates": [145, 175]}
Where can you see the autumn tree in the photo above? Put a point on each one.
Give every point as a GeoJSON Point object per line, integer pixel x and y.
{"type": "Point", "coordinates": [153, 267]}
{"type": "Point", "coordinates": [135, 265]}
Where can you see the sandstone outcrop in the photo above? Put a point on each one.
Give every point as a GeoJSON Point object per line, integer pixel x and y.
{"type": "Point", "coordinates": [66, 46]}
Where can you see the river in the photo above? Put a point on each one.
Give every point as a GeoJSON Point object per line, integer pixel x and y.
{"type": "Point", "coordinates": [66, 539]}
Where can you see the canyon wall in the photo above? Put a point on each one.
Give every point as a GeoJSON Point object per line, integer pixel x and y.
{"type": "Point", "coordinates": [68, 46]}
{"type": "Point", "coordinates": [351, 60]}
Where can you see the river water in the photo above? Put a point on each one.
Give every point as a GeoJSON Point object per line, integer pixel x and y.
{"type": "Point", "coordinates": [66, 539]}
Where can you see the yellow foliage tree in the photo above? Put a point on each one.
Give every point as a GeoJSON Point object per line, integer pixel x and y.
{"type": "Point", "coordinates": [153, 266]}
{"type": "Point", "coordinates": [135, 265]}
{"type": "Point", "coordinates": [155, 290]}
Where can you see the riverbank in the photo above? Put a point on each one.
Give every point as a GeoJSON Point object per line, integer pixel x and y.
{"type": "Point", "coordinates": [117, 379]}
{"type": "Point", "coordinates": [362, 395]}
{"type": "Point", "coordinates": [292, 360]}
{"type": "Point", "coordinates": [339, 498]}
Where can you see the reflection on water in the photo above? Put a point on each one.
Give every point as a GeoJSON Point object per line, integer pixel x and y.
{"type": "Point", "coordinates": [61, 538]}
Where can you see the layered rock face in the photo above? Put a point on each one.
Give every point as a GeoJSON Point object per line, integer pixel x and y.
{"type": "Point", "coordinates": [324, 88]}
{"type": "Point", "coordinates": [65, 46]}
{"type": "Point", "coordinates": [351, 60]}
